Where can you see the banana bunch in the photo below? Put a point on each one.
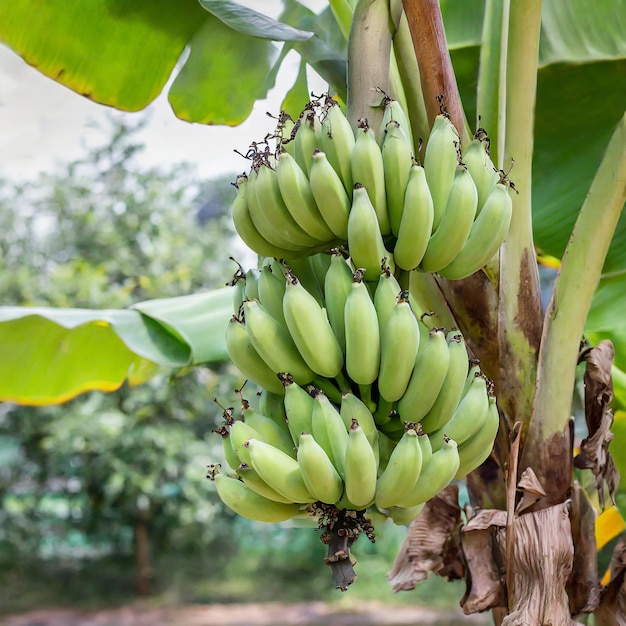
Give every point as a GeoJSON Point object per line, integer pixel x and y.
{"type": "Point", "coordinates": [315, 184]}
{"type": "Point", "coordinates": [359, 395]}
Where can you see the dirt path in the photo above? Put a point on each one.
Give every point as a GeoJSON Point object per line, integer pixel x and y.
{"type": "Point", "coordinates": [270, 614]}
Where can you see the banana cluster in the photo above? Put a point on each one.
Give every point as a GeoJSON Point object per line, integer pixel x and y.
{"type": "Point", "coordinates": [321, 185]}
{"type": "Point", "coordinates": [362, 405]}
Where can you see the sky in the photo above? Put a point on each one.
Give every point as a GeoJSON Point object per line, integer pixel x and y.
{"type": "Point", "coordinates": [43, 123]}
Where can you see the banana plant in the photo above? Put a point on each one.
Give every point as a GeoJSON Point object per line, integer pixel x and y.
{"type": "Point", "coordinates": [546, 85]}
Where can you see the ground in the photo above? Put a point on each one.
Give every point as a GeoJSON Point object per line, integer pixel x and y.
{"type": "Point", "coordinates": [270, 614]}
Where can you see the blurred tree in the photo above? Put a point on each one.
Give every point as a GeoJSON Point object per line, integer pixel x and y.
{"type": "Point", "coordinates": [125, 469]}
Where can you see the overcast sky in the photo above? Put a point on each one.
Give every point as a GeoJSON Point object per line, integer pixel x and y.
{"type": "Point", "coordinates": [42, 122]}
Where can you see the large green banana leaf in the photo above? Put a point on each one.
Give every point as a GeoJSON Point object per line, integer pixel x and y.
{"type": "Point", "coordinates": [123, 57]}
{"type": "Point", "coordinates": [50, 355]}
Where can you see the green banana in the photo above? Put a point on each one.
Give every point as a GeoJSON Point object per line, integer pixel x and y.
{"type": "Point", "coordinates": [427, 379]}
{"type": "Point", "coordinates": [452, 388]}
{"type": "Point", "coordinates": [485, 237]}
{"type": "Point", "coordinates": [303, 268]}
{"type": "Point", "coordinates": [271, 288]}
{"type": "Point", "coordinates": [244, 501]}
{"type": "Point", "coordinates": [280, 471]}
{"type": "Point", "coordinates": [320, 476]}
{"type": "Point", "coordinates": [298, 407]}
{"type": "Point", "coordinates": [455, 224]}
{"type": "Point", "coordinates": [296, 193]}
{"type": "Point", "coordinates": [387, 291]}
{"type": "Point", "coordinates": [365, 241]}
{"type": "Point", "coordinates": [307, 139]}
{"type": "Point", "coordinates": [362, 335]}
{"type": "Point", "coordinates": [265, 225]}
{"type": "Point", "coordinates": [274, 343]}
{"type": "Point", "coordinates": [398, 161]}
{"type": "Point", "coordinates": [483, 171]}
{"type": "Point", "coordinates": [329, 430]}
{"type": "Point", "coordinates": [257, 484]}
{"type": "Point", "coordinates": [245, 226]}
{"type": "Point", "coordinates": [320, 263]}
{"type": "Point", "coordinates": [330, 194]}
{"type": "Point", "coordinates": [440, 163]}
{"type": "Point", "coordinates": [353, 408]}
{"type": "Point", "coordinates": [437, 475]}
{"type": "Point", "coordinates": [417, 221]}
{"type": "Point", "coordinates": [393, 111]}
{"type": "Point", "coordinates": [477, 449]}
{"type": "Point", "coordinates": [360, 468]}
{"type": "Point", "coordinates": [310, 330]}
{"type": "Point", "coordinates": [273, 406]}
{"type": "Point", "coordinates": [468, 417]}
{"type": "Point", "coordinates": [424, 442]}
{"type": "Point", "coordinates": [252, 284]}
{"type": "Point", "coordinates": [369, 170]}
{"type": "Point", "coordinates": [402, 516]}
{"type": "Point", "coordinates": [240, 432]}
{"type": "Point", "coordinates": [398, 350]}
{"type": "Point", "coordinates": [238, 281]}
{"type": "Point", "coordinates": [246, 359]}
{"type": "Point", "coordinates": [402, 471]}
{"type": "Point", "coordinates": [337, 141]}
{"type": "Point", "coordinates": [269, 431]}
{"type": "Point", "coordinates": [337, 287]}
{"type": "Point", "coordinates": [286, 132]}
{"type": "Point", "coordinates": [230, 456]}
{"type": "Point", "coordinates": [273, 207]}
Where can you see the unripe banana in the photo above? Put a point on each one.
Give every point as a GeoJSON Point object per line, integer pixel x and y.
{"type": "Point", "coordinates": [476, 450]}
{"type": "Point", "coordinates": [252, 284]}
{"type": "Point", "coordinates": [337, 287]}
{"type": "Point", "coordinates": [398, 350]}
{"type": "Point", "coordinates": [393, 111]}
{"type": "Point", "coordinates": [280, 471]}
{"type": "Point", "coordinates": [362, 334]}
{"type": "Point", "coordinates": [360, 468]}
{"type": "Point", "coordinates": [304, 270]}
{"type": "Point", "coordinates": [387, 291]}
{"type": "Point", "coordinates": [307, 139]}
{"type": "Point", "coordinates": [230, 456]}
{"type": "Point", "coordinates": [455, 224]}
{"type": "Point", "coordinates": [273, 207]}
{"type": "Point", "coordinates": [310, 330]}
{"type": "Point", "coordinates": [330, 195]}
{"type": "Point", "coordinates": [265, 225]}
{"type": "Point", "coordinates": [483, 171]}
{"type": "Point", "coordinates": [440, 163]}
{"type": "Point", "coordinates": [368, 169]}
{"type": "Point", "coordinates": [469, 416]}
{"type": "Point", "coordinates": [240, 432]}
{"type": "Point", "coordinates": [329, 430]}
{"type": "Point", "coordinates": [286, 133]}
{"type": "Point", "coordinates": [246, 502]}
{"type": "Point", "coordinates": [427, 379]}
{"type": "Point", "coordinates": [296, 193]}
{"type": "Point", "coordinates": [274, 343]}
{"type": "Point", "coordinates": [452, 388]}
{"type": "Point", "coordinates": [271, 290]}
{"type": "Point", "coordinates": [239, 283]}
{"type": "Point", "coordinates": [338, 141]}
{"type": "Point", "coordinates": [257, 484]}
{"type": "Point", "coordinates": [437, 475]}
{"type": "Point", "coordinates": [402, 471]}
{"type": "Point", "coordinates": [486, 235]}
{"type": "Point", "coordinates": [246, 359]}
{"type": "Point", "coordinates": [245, 226]}
{"type": "Point", "coordinates": [353, 408]}
{"type": "Point", "coordinates": [426, 446]}
{"type": "Point", "coordinates": [402, 516]}
{"type": "Point", "coordinates": [269, 430]}
{"type": "Point", "coordinates": [320, 263]}
{"type": "Point", "coordinates": [273, 406]}
{"type": "Point", "coordinates": [320, 476]}
{"type": "Point", "coordinates": [417, 221]}
{"type": "Point", "coordinates": [365, 241]}
{"type": "Point", "coordinates": [398, 160]}
{"type": "Point", "coordinates": [298, 407]}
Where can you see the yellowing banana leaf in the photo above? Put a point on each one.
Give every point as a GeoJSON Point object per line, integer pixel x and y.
{"type": "Point", "coordinates": [50, 355]}
{"type": "Point", "coordinates": [617, 448]}
{"type": "Point", "coordinates": [609, 524]}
